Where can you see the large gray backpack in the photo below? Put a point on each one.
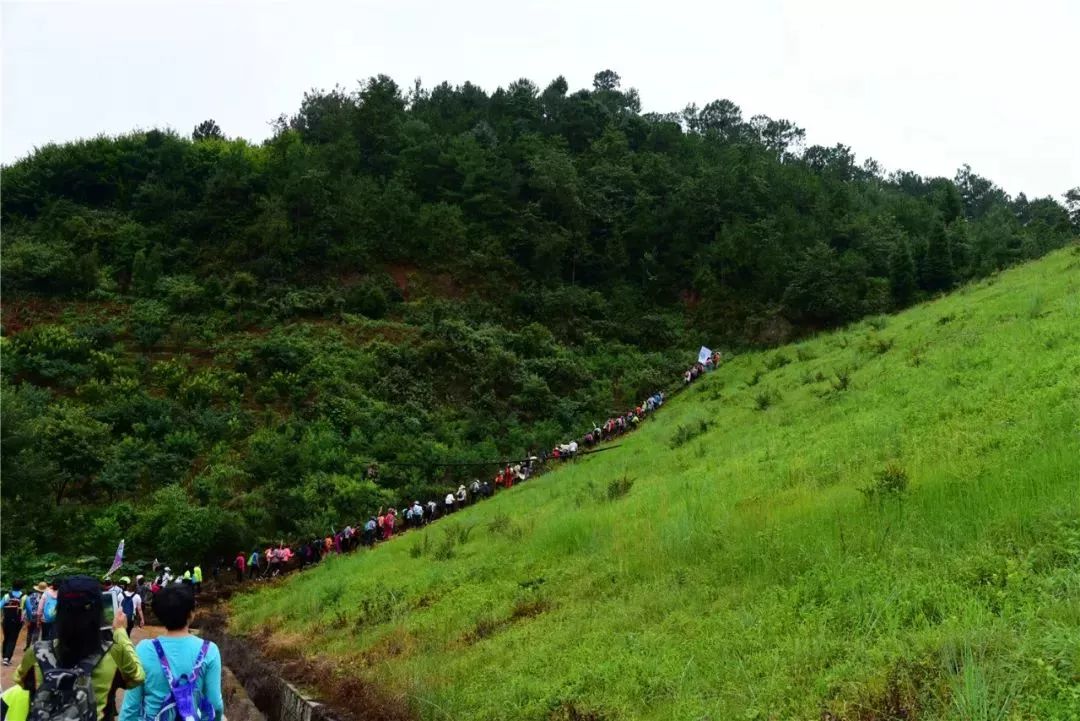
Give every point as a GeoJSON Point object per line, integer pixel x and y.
{"type": "Point", "coordinates": [65, 694]}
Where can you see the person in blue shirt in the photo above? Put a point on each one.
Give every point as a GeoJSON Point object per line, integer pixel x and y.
{"type": "Point", "coordinates": [174, 606]}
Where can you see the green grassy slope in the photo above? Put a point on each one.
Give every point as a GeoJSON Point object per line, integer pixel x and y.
{"type": "Point", "coordinates": [745, 575]}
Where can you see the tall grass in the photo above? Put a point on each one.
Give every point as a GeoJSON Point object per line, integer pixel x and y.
{"type": "Point", "coordinates": [817, 560]}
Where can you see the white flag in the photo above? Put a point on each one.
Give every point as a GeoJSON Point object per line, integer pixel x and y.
{"type": "Point", "coordinates": [704, 354]}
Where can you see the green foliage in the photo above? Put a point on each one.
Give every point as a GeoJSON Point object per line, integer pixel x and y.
{"type": "Point", "coordinates": [619, 487]}
{"type": "Point", "coordinates": [686, 433]}
{"type": "Point", "coordinates": [765, 398]}
{"type": "Point", "coordinates": [890, 482]}
{"type": "Point", "coordinates": [778, 360]}
{"type": "Point", "coordinates": [149, 321]}
{"type": "Point", "coordinates": [367, 299]}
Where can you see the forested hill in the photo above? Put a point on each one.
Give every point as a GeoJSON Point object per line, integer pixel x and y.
{"type": "Point", "coordinates": [203, 323]}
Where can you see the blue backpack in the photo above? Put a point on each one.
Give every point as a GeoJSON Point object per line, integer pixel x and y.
{"type": "Point", "coordinates": [31, 606]}
{"type": "Point", "coordinates": [127, 605]}
{"type": "Point", "coordinates": [183, 690]}
{"type": "Point", "coordinates": [48, 608]}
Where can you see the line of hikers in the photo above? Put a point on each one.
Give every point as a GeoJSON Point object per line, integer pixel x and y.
{"type": "Point", "coordinates": [274, 560]}
{"type": "Point", "coordinates": [86, 654]}
{"type": "Point", "coordinates": [711, 362]}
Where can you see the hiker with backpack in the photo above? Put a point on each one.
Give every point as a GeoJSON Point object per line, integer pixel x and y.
{"type": "Point", "coordinates": [32, 613]}
{"type": "Point", "coordinates": [12, 610]}
{"type": "Point", "coordinates": [183, 672]}
{"type": "Point", "coordinates": [72, 677]}
{"type": "Point", "coordinates": [131, 605]}
{"type": "Point", "coordinates": [47, 612]}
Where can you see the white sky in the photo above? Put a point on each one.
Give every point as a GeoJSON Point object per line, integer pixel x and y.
{"type": "Point", "coordinates": [924, 85]}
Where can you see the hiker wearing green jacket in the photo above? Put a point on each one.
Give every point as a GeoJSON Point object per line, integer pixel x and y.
{"type": "Point", "coordinates": [78, 638]}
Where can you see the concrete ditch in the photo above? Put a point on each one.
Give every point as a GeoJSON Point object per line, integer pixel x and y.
{"type": "Point", "coordinates": [252, 688]}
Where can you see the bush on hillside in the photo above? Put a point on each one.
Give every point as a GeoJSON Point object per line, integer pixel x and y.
{"type": "Point", "coordinates": [688, 432]}
{"type": "Point", "coordinates": [618, 487]}
{"type": "Point", "coordinates": [891, 482]}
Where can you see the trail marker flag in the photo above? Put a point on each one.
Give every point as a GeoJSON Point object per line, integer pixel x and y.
{"type": "Point", "coordinates": [703, 355]}
{"type": "Point", "coordinates": [117, 560]}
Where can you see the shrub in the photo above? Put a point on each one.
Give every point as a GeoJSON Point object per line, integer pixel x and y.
{"type": "Point", "coordinates": [879, 345]}
{"type": "Point", "coordinates": [890, 482]}
{"type": "Point", "coordinates": [878, 322]}
{"type": "Point", "coordinates": [210, 386]}
{"type": "Point", "coordinates": [503, 525]}
{"type": "Point", "coordinates": [686, 433]}
{"type": "Point", "coordinates": [183, 293]}
{"type": "Point", "coordinates": [619, 487]}
{"type": "Point", "coordinates": [756, 378]}
{"type": "Point", "coordinates": [242, 285]}
{"type": "Point", "coordinates": [53, 352]}
{"type": "Point", "coordinates": [778, 360]}
{"type": "Point", "coordinates": [445, 551]}
{"type": "Point", "coordinates": [421, 547]}
{"type": "Point", "coordinates": [459, 534]}
{"type": "Point", "coordinates": [765, 398]}
{"type": "Point", "coordinates": [367, 299]}
{"type": "Point", "coordinates": [841, 380]}
{"type": "Point", "coordinates": [148, 321]}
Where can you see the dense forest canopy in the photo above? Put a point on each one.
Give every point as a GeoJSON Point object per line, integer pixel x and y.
{"type": "Point", "coordinates": [206, 340]}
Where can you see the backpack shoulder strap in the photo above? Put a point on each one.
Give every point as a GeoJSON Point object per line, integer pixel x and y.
{"type": "Point", "coordinates": [200, 658]}
{"type": "Point", "coordinates": [164, 661]}
{"type": "Point", "coordinates": [88, 664]}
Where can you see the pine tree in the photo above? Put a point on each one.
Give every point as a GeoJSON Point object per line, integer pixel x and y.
{"type": "Point", "coordinates": [939, 273]}
{"type": "Point", "coordinates": [902, 273]}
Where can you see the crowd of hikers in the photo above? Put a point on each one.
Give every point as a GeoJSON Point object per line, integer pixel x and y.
{"type": "Point", "coordinates": [273, 560]}
{"type": "Point", "coordinates": [79, 653]}
{"type": "Point", "coordinates": [78, 650]}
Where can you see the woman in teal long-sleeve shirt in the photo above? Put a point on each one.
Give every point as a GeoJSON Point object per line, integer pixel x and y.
{"type": "Point", "coordinates": [174, 605]}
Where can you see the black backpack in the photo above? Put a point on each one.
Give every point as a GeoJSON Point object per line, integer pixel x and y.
{"type": "Point", "coordinates": [13, 608]}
